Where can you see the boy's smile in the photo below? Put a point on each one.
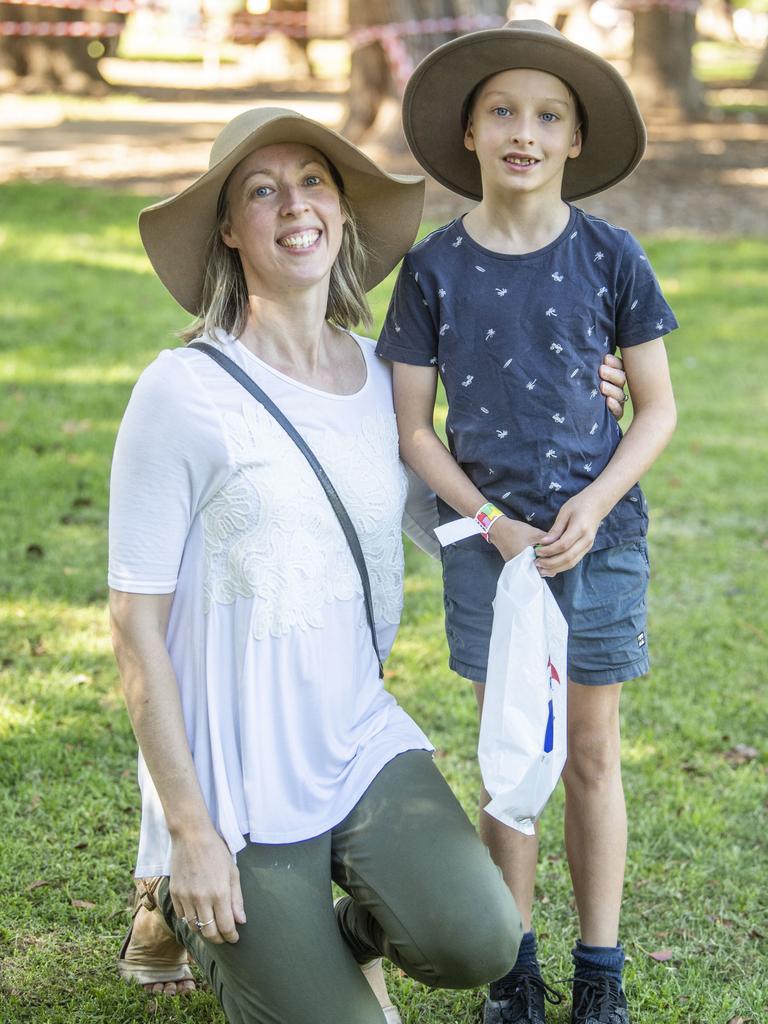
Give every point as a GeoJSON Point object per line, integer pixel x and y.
{"type": "Point", "coordinates": [522, 127]}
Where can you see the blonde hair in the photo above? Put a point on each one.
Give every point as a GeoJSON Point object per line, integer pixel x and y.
{"type": "Point", "coordinates": [224, 297]}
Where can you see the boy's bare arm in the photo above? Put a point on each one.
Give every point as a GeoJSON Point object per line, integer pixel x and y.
{"type": "Point", "coordinates": [420, 447]}
{"type": "Point", "coordinates": [653, 424]}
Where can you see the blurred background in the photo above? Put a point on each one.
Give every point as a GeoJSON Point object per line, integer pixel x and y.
{"type": "Point", "coordinates": [131, 92]}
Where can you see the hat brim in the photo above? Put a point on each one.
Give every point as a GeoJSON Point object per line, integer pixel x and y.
{"type": "Point", "coordinates": [435, 95]}
{"type": "Point", "coordinates": [387, 207]}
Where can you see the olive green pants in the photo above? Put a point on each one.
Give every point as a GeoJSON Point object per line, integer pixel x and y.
{"type": "Point", "coordinates": [424, 893]}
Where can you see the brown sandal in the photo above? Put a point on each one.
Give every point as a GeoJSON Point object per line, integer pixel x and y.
{"type": "Point", "coordinates": [158, 958]}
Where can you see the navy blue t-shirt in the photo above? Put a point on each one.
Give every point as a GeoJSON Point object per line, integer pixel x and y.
{"type": "Point", "coordinates": [518, 341]}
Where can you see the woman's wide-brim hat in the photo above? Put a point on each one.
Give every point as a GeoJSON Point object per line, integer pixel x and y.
{"type": "Point", "coordinates": [434, 106]}
{"type": "Point", "coordinates": [176, 232]}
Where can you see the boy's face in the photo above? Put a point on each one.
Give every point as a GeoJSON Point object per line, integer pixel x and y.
{"type": "Point", "coordinates": [522, 127]}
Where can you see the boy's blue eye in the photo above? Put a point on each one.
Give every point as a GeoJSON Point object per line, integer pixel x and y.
{"type": "Point", "coordinates": [502, 111]}
{"type": "Point", "coordinates": [549, 118]}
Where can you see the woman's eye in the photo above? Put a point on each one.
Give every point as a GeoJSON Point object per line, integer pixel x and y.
{"type": "Point", "coordinates": [312, 179]}
{"type": "Point", "coordinates": [261, 191]}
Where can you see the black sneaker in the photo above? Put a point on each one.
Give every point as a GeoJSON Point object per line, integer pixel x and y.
{"type": "Point", "coordinates": [518, 999]}
{"type": "Point", "coordinates": [598, 1000]}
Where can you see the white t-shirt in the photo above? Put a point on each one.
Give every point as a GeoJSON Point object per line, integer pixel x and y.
{"type": "Point", "coordinates": [285, 714]}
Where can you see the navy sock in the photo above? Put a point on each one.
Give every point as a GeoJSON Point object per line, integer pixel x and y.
{"type": "Point", "coordinates": [597, 960]}
{"type": "Point", "coordinates": [527, 961]}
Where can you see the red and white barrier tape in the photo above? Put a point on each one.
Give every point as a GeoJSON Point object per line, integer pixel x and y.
{"type": "Point", "coordinates": [83, 29]}
{"type": "Point", "coordinates": [295, 24]}
{"type": "Point", "coordinates": [390, 36]}
{"type": "Point", "coordinates": [427, 27]}
{"type": "Point", "coordinates": [685, 6]}
{"type": "Point", "coordinates": [111, 6]}
{"type": "Point", "coordinates": [241, 33]}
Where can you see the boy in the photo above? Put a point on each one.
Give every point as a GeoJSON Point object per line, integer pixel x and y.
{"type": "Point", "coordinates": [514, 305]}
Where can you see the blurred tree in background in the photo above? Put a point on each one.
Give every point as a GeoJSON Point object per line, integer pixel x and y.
{"type": "Point", "coordinates": [375, 87]}
{"type": "Point", "coordinates": [662, 58]}
{"type": "Point", "coordinates": [68, 63]}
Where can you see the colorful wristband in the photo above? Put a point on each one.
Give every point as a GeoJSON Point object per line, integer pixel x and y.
{"type": "Point", "coordinates": [486, 516]}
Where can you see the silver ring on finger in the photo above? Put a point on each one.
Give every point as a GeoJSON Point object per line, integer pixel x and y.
{"type": "Point", "coordinates": [203, 924]}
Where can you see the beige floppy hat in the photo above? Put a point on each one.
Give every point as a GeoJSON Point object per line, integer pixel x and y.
{"type": "Point", "coordinates": [436, 96]}
{"type": "Point", "coordinates": [175, 232]}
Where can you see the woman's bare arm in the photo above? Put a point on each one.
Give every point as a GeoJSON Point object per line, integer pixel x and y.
{"type": "Point", "coordinates": [204, 879]}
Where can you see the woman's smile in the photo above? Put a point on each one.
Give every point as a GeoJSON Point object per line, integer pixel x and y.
{"type": "Point", "coordinates": [301, 240]}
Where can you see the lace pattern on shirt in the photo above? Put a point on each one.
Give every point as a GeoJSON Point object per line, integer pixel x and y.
{"type": "Point", "coordinates": [271, 534]}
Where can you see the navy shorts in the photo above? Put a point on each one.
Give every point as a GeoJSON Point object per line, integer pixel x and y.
{"type": "Point", "coordinates": [603, 599]}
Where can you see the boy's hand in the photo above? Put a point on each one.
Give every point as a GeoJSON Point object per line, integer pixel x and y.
{"type": "Point", "coordinates": [613, 381]}
{"type": "Point", "coordinates": [572, 535]}
{"type": "Point", "coordinates": [511, 537]}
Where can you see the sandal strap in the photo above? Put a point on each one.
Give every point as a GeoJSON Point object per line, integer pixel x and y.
{"type": "Point", "coordinates": [146, 893]}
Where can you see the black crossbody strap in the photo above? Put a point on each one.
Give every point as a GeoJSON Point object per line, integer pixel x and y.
{"type": "Point", "coordinates": [336, 503]}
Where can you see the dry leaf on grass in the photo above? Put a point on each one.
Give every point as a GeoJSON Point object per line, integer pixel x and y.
{"type": "Point", "coordinates": [661, 956]}
{"type": "Point", "coordinates": [38, 884]}
{"type": "Point", "coordinates": [741, 753]}
{"type": "Point", "coordinates": [37, 646]}
{"type": "Point", "coordinates": [83, 904]}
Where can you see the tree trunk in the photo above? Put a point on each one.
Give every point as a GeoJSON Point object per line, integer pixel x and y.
{"type": "Point", "coordinates": [376, 75]}
{"type": "Point", "coordinates": [48, 62]}
{"type": "Point", "coordinates": [662, 62]}
{"type": "Point", "coordinates": [760, 77]}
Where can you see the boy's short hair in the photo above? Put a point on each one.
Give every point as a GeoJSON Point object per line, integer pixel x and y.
{"type": "Point", "coordinates": [469, 103]}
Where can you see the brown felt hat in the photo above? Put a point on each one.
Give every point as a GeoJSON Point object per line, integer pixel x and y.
{"type": "Point", "coordinates": [434, 106]}
{"type": "Point", "coordinates": [175, 232]}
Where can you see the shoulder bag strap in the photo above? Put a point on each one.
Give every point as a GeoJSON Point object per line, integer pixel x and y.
{"type": "Point", "coordinates": [336, 504]}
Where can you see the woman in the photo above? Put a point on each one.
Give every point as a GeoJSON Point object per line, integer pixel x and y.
{"type": "Point", "coordinates": [272, 760]}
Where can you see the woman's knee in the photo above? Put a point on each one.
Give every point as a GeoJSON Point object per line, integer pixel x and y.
{"type": "Point", "coordinates": [478, 946]}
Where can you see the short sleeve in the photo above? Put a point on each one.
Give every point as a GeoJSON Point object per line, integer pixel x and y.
{"type": "Point", "coordinates": [409, 334]}
{"type": "Point", "coordinates": [170, 458]}
{"type": "Point", "coordinates": [642, 312]}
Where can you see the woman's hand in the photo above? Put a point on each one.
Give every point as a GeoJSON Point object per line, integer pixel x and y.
{"type": "Point", "coordinates": [205, 885]}
{"type": "Point", "coordinates": [613, 381]}
{"type": "Point", "coordinates": [511, 537]}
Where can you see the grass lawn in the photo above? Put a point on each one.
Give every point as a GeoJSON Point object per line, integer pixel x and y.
{"type": "Point", "coordinates": [80, 315]}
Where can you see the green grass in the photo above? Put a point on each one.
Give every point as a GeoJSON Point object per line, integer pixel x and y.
{"type": "Point", "coordinates": [80, 315]}
{"type": "Point", "coordinates": [716, 62]}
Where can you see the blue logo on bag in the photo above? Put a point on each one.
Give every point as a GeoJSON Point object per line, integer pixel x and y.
{"type": "Point", "coordinates": [549, 732]}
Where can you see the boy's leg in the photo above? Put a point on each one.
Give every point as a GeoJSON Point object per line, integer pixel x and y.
{"type": "Point", "coordinates": [606, 600]}
{"type": "Point", "coordinates": [519, 996]}
{"type": "Point", "coordinates": [515, 854]}
{"type": "Point", "coordinates": [424, 890]}
{"type": "Point", "coordinates": [470, 574]}
{"type": "Point", "coordinates": [596, 843]}
{"type": "Point", "coordinates": [291, 963]}
{"type": "Point", "coordinates": [595, 814]}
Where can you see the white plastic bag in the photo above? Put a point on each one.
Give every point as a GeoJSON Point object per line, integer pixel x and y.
{"type": "Point", "coordinates": [523, 730]}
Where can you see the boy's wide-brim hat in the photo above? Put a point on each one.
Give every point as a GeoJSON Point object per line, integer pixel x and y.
{"type": "Point", "coordinates": [436, 96]}
{"type": "Point", "coordinates": [176, 232]}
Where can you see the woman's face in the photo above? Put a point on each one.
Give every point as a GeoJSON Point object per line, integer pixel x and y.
{"type": "Point", "coordinates": [285, 218]}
